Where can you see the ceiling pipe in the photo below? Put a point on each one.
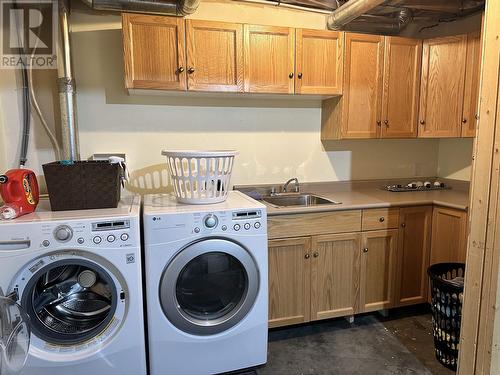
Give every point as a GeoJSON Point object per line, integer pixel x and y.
{"type": "Point", "coordinates": [350, 11]}
{"type": "Point", "coordinates": [381, 24]}
{"type": "Point", "coordinates": [177, 8]}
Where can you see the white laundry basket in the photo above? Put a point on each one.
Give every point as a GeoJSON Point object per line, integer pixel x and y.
{"type": "Point", "coordinates": [200, 177]}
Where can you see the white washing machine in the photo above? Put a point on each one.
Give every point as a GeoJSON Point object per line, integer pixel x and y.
{"type": "Point", "coordinates": [206, 285]}
{"type": "Point", "coordinates": [77, 274]}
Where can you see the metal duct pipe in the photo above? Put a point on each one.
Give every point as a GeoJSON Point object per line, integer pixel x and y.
{"type": "Point", "coordinates": [67, 89]}
{"type": "Point", "coordinates": [382, 24]}
{"type": "Point", "coordinates": [173, 7]}
{"type": "Point", "coordinates": [350, 11]}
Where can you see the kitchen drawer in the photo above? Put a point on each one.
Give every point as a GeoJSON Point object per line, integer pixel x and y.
{"type": "Point", "coordinates": [380, 218]}
{"type": "Point", "coordinates": [296, 225]}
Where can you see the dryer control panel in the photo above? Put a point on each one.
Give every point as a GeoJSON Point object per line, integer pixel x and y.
{"type": "Point", "coordinates": [181, 225]}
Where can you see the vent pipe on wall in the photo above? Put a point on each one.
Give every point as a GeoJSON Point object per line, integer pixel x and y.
{"type": "Point", "coordinates": [67, 89]}
{"type": "Point", "coordinates": [173, 7]}
{"type": "Point", "coordinates": [350, 11]}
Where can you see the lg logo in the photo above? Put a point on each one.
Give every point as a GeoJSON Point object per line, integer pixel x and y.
{"type": "Point", "coordinates": [29, 34]}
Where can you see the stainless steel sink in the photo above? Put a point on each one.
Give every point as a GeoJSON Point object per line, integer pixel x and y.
{"type": "Point", "coordinates": [297, 200]}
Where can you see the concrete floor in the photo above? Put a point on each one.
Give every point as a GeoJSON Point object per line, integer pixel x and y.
{"type": "Point", "coordinates": [398, 344]}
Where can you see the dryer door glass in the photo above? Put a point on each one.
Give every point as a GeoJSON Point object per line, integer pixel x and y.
{"type": "Point", "coordinates": [69, 301]}
{"type": "Point", "coordinates": [14, 336]}
{"type": "Point", "coordinates": [210, 286]}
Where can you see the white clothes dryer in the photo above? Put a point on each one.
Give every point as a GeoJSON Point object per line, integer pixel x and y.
{"type": "Point", "coordinates": [206, 285]}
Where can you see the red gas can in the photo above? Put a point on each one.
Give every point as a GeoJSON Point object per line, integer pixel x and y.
{"type": "Point", "coordinates": [19, 191]}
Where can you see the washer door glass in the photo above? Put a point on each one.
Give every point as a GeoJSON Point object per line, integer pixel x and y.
{"type": "Point", "coordinates": [69, 301]}
{"type": "Point", "coordinates": [209, 286]}
{"type": "Point", "coordinates": [14, 336]}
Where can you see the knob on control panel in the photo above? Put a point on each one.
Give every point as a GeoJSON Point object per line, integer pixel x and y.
{"type": "Point", "coordinates": [210, 221]}
{"type": "Point", "coordinates": [63, 233]}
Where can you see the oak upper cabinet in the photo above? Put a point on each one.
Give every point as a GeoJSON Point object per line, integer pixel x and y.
{"type": "Point", "coordinates": [449, 235]}
{"type": "Point", "coordinates": [269, 53]}
{"type": "Point", "coordinates": [319, 62]}
{"type": "Point", "coordinates": [289, 281]}
{"type": "Point", "coordinates": [214, 56]}
{"type": "Point", "coordinates": [154, 52]}
{"type": "Point", "coordinates": [363, 79]}
{"type": "Point", "coordinates": [442, 87]}
{"type": "Point", "coordinates": [470, 113]}
{"type": "Point", "coordinates": [413, 255]}
{"type": "Point", "coordinates": [378, 270]}
{"type": "Point", "coordinates": [402, 66]}
{"type": "Point", "coordinates": [335, 275]}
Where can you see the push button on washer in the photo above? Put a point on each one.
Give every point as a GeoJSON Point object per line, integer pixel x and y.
{"type": "Point", "coordinates": [111, 238]}
{"type": "Point", "coordinates": [80, 240]}
{"type": "Point", "coordinates": [97, 240]}
{"type": "Point", "coordinates": [257, 225]}
{"type": "Point", "coordinates": [45, 243]}
{"type": "Point", "coordinates": [247, 226]}
{"type": "Point", "coordinates": [237, 227]}
{"type": "Point", "coordinates": [124, 237]}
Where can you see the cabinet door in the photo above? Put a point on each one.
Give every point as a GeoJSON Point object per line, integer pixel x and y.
{"type": "Point", "coordinates": [154, 52]}
{"type": "Point", "coordinates": [335, 275]}
{"type": "Point", "coordinates": [442, 87]}
{"type": "Point", "coordinates": [214, 56]}
{"type": "Point", "coordinates": [319, 62]}
{"type": "Point", "coordinates": [472, 80]}
{"type": "Point", "coordinates": [269, 59]}
{"type": "Point", "coordinates": [413, 255]}
{"type": "Point", "coordinates": [402, 67]}
{"type": "Point", "coordinates": [289, 281]}
{"type": "Point", "coordinates": [363, 83]}
{"type": "Point", "coordinates": [378, 270]}
{"type": "Point", "coordinates": [449, 235]}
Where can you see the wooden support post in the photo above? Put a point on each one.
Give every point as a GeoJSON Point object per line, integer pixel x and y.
{"type": "Point", "coordinates": [479, 312]}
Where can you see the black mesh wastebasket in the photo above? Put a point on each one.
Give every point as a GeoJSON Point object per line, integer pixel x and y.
{"type": "Point", "coordinates": [447, 287]}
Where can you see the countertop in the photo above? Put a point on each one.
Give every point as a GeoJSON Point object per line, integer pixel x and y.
{"type": "Point", "coordinates": [368, 194]}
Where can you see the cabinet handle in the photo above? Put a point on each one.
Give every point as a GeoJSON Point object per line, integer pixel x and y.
{"type": "Point", "coordinates": [422, 122]}
{"type": "Point", "coordinates": [403, 225]}
{"type": "Point", "coordinates": [386, 122]}
{"type": "Point", "coordinates": [307, 256]}
{"type": "Point", "coordinates": [299, 76]}
{"type": "Point", "coordinates": [464, 121]}
{"type": "Point", "coordinates": [316, 254]}
{"type": "Point", "coordinates": [476, 116]}
{"type": "Point", "coordinates": [382, 219]}
{"type": "Point", "coordinates": [180, 69]}
{"type": "Point", "coordinates": [290, 75]}
{"type": "Point", "coordinates": [365, 250]}
{"type": "Point", "coordinates": [190, 70]}
{"type": "Point", "coordinates": [379, 123]}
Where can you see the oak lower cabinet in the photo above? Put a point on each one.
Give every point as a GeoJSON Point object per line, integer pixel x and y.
{"type": "Point", "coordinates": [335, 275]}
{"type": "Point", "coordinates": [449, 235]}
{"type": "Point", "coordinates": [413, 255]}
{"type": "Point", "coordinates": [378, 270]}
{"type": "Point", "coordinates": [289, 281]}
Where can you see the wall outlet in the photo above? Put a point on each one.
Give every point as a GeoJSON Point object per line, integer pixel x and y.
{"type": "Point", "coordinates": [105, 156]}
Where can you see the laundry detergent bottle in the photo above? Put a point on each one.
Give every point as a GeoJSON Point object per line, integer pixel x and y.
{"type": "Point", "coordinates": [19, 191]}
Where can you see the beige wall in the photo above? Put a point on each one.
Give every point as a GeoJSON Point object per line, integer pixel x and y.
{"type": "Point", "coordinates": [455, 158]}
{"type": "Point", "coordinates": [277, 138]}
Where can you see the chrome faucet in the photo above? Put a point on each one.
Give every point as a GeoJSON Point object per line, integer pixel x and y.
{"type": "Point", "coordinates": [297, 185]}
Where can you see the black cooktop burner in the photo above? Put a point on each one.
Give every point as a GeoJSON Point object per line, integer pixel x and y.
{"type": "Point", "coordinates": [417, 187]}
